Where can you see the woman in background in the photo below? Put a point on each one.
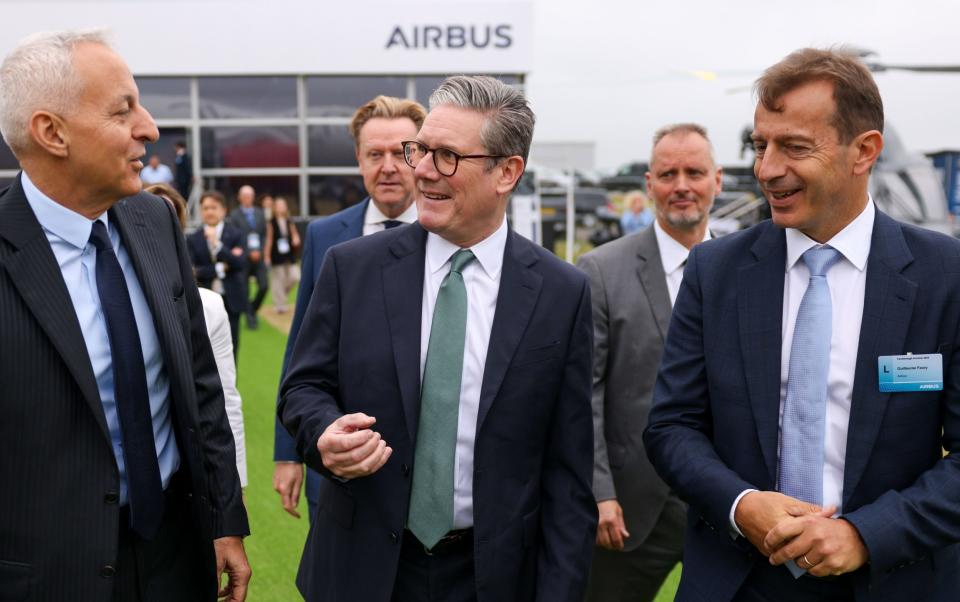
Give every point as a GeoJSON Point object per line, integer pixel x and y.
{"type": "Point", "coordinates": [218, 329]}
{"type": "Point", "coordinates": [283, 242]}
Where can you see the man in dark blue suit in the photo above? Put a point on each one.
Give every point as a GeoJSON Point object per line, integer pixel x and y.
{"type": "Point", "coordinates": [219, 259]}
{"type": "Point", "coordinates": [378, 128]}
{"type": "Point", "coordinates": [441, 385]}
{"type": "Point", "coordinates": [805, 479]}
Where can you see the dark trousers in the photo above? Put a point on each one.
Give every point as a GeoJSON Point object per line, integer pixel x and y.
{"type": "Point", "coordinates": [636, 575]}
{"type": "Point", "coordinates": [768, 583]}
{"type": "Point", "coordinates": [171, 567]}
{"type": "Point", "coordinates": [445, 574]}
{"type": "Point", "coordinates": [258, 271]}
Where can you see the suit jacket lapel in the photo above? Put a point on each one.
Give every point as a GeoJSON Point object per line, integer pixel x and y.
{"type": "Point", "coordinates": [887, 308]}
{"type": "Point", "coordinates": [760, 317]}
{"type": "Point", "coordinates": [353, 224]}
{"type": "Point", "coordinates": [518, 294]}
{"type": "Point", "coordinates": [34, 271]}
{"type": "Point", "coordinates": [403, 298]}
{"type": "Point", "coordinates": [653, 279]}
{"type": "Point", "coordinates": [129, 219]}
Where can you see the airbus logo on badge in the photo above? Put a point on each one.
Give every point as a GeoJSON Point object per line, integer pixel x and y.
{"type": "Point", "coordinates": [451, 37]}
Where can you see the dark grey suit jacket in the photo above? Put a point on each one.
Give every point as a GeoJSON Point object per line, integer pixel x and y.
{"type": "Point", "coordinates": [631, 312]}
{"type": "Point", "coordinates": [59, 515]}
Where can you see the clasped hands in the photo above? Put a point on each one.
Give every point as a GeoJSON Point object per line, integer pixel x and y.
{"type": "Point", "coordinates": [349, 449]}
{"type": "Point", "coordinates": [785, 528]}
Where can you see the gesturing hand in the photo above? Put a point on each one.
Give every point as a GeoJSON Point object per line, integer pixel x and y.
{"type": "Point", "coordinates": [349, 448]}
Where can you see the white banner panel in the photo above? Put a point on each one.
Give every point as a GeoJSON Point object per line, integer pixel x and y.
{"type": "Point", "coordinates": [214, 37]}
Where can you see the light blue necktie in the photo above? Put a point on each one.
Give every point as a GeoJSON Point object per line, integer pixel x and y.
{"type": "Point", "coordinates": [804, 410]}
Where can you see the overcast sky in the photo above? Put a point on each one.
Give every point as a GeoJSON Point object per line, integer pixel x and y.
{"type": "Point", "coordinates": [612, 71]}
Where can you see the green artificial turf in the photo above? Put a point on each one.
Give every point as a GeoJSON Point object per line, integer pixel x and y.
{"type": "Point", "coordinates": [277, 538]}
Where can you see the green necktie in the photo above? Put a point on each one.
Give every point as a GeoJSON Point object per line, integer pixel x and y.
{"type": "Point", "coordinates": [431, 501]}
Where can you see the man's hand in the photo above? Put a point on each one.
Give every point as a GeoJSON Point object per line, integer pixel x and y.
{"type": "Point", "coordinates": [611, 530]}
{"type": "Point", "coordinates": [819, 544]}
{"type": "Point", "coordinates": [232, 560]}
{"type": "Point", "coordinates": [349, 449]}
{"type": "Point", "coordinates": [287, 481]}
{"type": "Point", "coordinates": [760, 511]}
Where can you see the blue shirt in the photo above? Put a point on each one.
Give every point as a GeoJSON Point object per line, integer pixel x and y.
{"type": "Point", "coordinates": [249, 214]}
{"type": "Point", "coordinates": [631, 222]}
{"type": "Point", "coordinates": [69, 234]}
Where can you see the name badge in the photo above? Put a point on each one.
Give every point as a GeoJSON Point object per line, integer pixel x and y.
{"type": "Point", "coordinates": [253, 241]}
{"type": "Point", "coordinates": [283, 246]}
{"type": "Point", "coordinates": [910, 372]}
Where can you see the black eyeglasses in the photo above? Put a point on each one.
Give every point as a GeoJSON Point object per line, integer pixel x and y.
{"type": "Point", "coordinates": [445, 160]}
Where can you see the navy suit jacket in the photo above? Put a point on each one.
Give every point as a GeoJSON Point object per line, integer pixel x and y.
{"type": "Point", "coordinates": [321, 235]}
{"type": "Point", "coordinates": [359, 351]}
{"type": "Point", "coordinates": [714, 426]}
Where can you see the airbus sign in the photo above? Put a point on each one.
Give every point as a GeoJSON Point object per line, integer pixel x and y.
{"type": "Point", "coordinates": [452, 37]}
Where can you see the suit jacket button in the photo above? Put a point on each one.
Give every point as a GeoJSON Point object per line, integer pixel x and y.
{"type": "Point", "coordinates": [394, 537]}
{"type": "Point", "coordinates": [107, 572]}
{"type": "Point", "coordinates": [405, 470]}
{"type": "Point", "coordinates": [111, 497]}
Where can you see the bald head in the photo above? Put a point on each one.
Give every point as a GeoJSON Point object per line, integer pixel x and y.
{"type": "Point", "coordinates": [246, 196]}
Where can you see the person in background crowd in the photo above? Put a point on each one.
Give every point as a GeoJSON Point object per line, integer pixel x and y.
{"type": "Point", "coordinates": [634, 281]}
{"type": "Point", "coordinates": [252, 224]}
{"type": "Point", "coordinates": [156, 172]}
{"type": "Point", "coordinates": [118, 472]}
{"type": "Point", "coordinates": [378, 128]}
{"type": "Point", "coordinates": [813, 468]}
{"type": "Point", "coordinates": [266, 203]}
{"type": "Point", "coordinates": [472, 481]}
{"type": "Point", "coordinates": [183, 166]}
{"type": "Point", "coordinates": [221, 340]}
{"type": "Point", "coordinates": [219, 259]}
{"type": "Point", "coordinates": [636, 215]}
{"type": "Point", "coordinates": [283, 242]}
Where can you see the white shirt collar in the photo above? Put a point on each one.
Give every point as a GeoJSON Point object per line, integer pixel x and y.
{"type": "Point", "coordinates": [65, 223]}
{"type": "Point", "coordinates": [373, 215]}
{"type": "Point", "coordinates": [489, 251]}
{"type": "Point", "coordinates": [853, 241]}
{"type": "Point", "coordinates": [672, 253]}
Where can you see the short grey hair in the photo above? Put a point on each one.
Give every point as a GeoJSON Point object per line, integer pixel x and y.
{"type": "Point", "coordinates": [39, 75]}
{"type": "Point", "coordinates": [508, 127]}
{"type": "Point", "coordinates": [681, 129]}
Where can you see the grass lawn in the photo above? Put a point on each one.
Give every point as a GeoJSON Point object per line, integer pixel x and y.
{"type": "Point", "coordinates": [277, 538]}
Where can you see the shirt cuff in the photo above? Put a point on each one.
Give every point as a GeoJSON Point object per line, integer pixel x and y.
{"type": "Point", "coordinates": [734, 529]}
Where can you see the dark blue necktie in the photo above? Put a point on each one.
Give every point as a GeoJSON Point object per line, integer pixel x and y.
{"type": "Point", "coordinates": [391, 223]}
{"type": "Point", "coordinates": [144, 488]}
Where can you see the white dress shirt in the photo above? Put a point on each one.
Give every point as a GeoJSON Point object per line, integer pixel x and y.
{"type": "Point", "coordinates": [481, 278]}
{"type": "Point", "coordinates": [373, 218]}
{"type": "Point", "coordinates": [673, 256]}
{"type": "Point", "coordinates": [847, 280]}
